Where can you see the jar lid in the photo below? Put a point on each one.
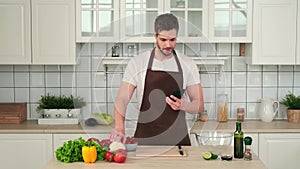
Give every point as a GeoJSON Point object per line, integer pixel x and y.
{"type": "Point", "coordinates": [248, 140]}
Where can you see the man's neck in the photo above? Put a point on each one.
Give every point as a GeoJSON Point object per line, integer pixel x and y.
{"type": "Point", "coordinates": [160, 56]}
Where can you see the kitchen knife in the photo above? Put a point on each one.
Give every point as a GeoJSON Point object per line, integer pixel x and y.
{"type": "Point", "coordinates": [180, 150]}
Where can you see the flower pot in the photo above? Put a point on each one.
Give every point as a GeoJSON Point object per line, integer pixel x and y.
{"type": "Point", "coordinates": [293, 115]}
{"type": "Point", "coordinates": [61, 113]}
{"type": "Point", "coordinates": [60, 116]}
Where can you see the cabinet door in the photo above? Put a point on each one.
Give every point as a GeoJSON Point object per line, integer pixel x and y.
{"type": "Point", "coordinates": [230, 20]}
{"type": "Point", "coordinates": [97, 21]}
{"type": "Point", "coordinates": [25, 150]}
{"type": "Point", "coordinates": [53, 31]}
{"type": "Point", "coordinates": [274, 31]}
{"type": "Point", "coordinates": [137, 23]}
{"type": "Point", "coordinates": [193, 19]}
{"type": "Point", "coordinates": [280, 151]}
{"type": "Point", "coordinates": [15, 32]}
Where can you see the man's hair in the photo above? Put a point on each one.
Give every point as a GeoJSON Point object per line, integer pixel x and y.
{"type": "Point", "coordinates": [165, 22]}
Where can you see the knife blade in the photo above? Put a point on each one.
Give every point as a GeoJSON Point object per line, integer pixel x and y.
{"type": "Point", "coordinates": [180, 150]}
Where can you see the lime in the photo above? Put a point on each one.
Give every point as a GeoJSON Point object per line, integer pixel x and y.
{"type": "Point", "coordinates": [206, 155]}
{"type": "Point", "coordinates": [214, 156]}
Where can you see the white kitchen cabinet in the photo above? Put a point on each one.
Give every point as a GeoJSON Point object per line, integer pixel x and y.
{"type": "Point", "coordinates": [15, 32]}
{"type": "Point", "coordinates": [140, 15]}
{"type": "Point", "coordinates": [274, 33]}
{"type": "Point", "coordinates": [25, 150]}
{"type": "Point", "coordinates": [280, 150]}
{"type": "Point", "coordinates": [37, 32]}
{"type": "Point", "coordinates": [230, 20]}
{"type": "Point", "coordinates": [53, 32]}
{"type": "Point", "coordinates": [97, 21]}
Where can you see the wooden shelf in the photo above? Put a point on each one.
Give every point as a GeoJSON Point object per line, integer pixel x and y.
{"type": "Point", "coordinates": [200, 61]}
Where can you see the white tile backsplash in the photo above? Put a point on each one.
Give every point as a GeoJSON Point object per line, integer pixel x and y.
{"type": "Point", "coordinates": [98, 95]}
{"type": "Point", "coordinates": [297, 79]}
{"type": "Point", "coordinates": [285, 79]}
{"type": "Point", "coordinates": [243, 83]}
{"type": "Point", "coordinates": [209, 95]}
{"type": "Point", "coordinates": [36, 93]}
{"type": "Point", "coordinates": [224, 49]}
{"type": "Point", "coordinates": [270, 92]}
{"type": "Point", "coordinates": [85, 93]}
{"type": "Point", "coordinates": [254, 79]}
{"type": "Point", "coordinates": [22, 95]}
{"type": "Point", "coordinates": [84, 63]}
{"type": "Point", "coordinates": [53, 91]}
{"type": "Point", "coordinates": [6, 79]}
{"type": "Point", "coordinates": [83, 79]}
{"type": "Point", "coordinates": [270, 79]}
{"type": "Point", "coordinates": [208, 80]}
{"type": "Point", "coordinates": [238, 95]}
{"type": "Point", "coordinates": [7, 95]}
{"type": "Point", "coordinates": [37, 79]}
{"type": "Point", "coordinates": [52, 79]}
{"type": "Point", "coordinates": [239, 79]}
{"type": "Point", "coordinates": [21, 79]}
{"type": "Point", "coordinates": [254, 94]}
{"type": "Point", "coordinates": [21, 68]}
{"type": "Point", "coordinates": [238, 64]}
{"type": "Point", "coordinates": [67, 79]}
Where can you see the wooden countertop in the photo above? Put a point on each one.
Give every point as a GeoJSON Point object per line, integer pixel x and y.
{"type": "Point", "coordinates": [250, 126]}
{"type": "Point", "coordinates": [192, 160]}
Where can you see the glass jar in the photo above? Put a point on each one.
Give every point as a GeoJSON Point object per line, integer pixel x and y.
{"type": "Point", "coordinates": [221, 105]}
{"type": "Point", "coordinates": [240, 114]}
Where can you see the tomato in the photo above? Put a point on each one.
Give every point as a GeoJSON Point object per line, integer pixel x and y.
{"type": "Point", "coordinates": [109, 156]}
{"type": "Point", "coordinates": [120, 156]}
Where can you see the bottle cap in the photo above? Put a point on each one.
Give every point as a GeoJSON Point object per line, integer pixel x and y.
{"type": "Point", "coordinates": [248, 140]}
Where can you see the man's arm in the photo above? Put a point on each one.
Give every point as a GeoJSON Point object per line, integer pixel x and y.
{"type": "Point", "coordinates": [125, 93]}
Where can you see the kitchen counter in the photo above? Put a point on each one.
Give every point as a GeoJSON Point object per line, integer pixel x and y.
{"type": "Point", "coordinates": [248, 126]}
{"type": "Point", "coordinates": [32, 126]}
{"type": "Point", "coordinates": [192, 160]}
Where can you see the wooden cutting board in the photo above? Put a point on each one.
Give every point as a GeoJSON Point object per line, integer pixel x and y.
{"type": "Point", "coordinates": [168, 151]}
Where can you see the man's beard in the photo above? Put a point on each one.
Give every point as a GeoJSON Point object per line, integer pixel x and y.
{"type": "Point", "coordinates": [164, 53]}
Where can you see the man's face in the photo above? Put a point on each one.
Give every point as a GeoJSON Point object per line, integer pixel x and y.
{"type": "Point", "coordinates": [166, 41]}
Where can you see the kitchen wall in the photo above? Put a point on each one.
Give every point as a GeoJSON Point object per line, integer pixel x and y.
{"type": "Point", "coordinates": [244, 84]}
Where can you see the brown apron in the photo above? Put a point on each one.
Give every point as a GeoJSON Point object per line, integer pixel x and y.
{"type": "Point", "coordinates": [158, 123]}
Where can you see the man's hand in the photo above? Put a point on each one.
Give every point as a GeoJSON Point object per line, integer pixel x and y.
{"type": "Point", "coordinates": [117, 136]}
{"type": "Point", "coordinates": [177, 103]}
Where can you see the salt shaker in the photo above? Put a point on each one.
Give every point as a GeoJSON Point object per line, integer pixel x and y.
{"type": "Point", "coordinates": [240, 114]}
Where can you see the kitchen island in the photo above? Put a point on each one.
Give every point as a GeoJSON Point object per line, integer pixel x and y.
{"type": "Point", "coordinates": [192, 160]}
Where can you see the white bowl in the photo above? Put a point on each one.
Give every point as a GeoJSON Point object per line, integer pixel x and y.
{"type": "Point", "coordinates": [130, 147]}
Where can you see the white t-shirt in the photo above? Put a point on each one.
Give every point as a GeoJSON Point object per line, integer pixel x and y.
{"type": "Point", "coordinates": [136, 69]}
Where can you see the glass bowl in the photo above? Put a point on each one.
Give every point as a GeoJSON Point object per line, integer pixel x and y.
{"type": "Point", "coordinates": [215, 141]}
{"type": "Point", "coordinates": [130, 147]}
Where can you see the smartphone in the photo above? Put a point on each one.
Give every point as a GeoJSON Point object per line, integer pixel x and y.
{"type": "Point", "coordinates": [178, 93]}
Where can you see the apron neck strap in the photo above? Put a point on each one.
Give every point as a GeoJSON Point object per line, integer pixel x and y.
{"type": "Point", "coordinates": [152, 58]}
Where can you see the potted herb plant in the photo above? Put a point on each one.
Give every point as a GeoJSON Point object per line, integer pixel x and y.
{"type": "Point", "coordinates": [292, 102]}
{"type": "Point", "coordinates": [60, 106]}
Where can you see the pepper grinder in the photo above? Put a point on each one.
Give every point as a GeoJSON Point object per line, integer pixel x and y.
{"type": "Point", "coordinates": [247, 153]}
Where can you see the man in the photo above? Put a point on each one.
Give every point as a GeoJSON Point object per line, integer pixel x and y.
{"type": "Point", "coordinates": [155, 75]}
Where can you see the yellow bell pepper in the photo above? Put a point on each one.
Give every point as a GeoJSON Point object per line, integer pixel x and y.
{"type": "Point", "coordinates": [89, 154]}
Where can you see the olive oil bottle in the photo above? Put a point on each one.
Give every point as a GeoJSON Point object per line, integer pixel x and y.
{"type": "Point", "coordinates": [238, 141]}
